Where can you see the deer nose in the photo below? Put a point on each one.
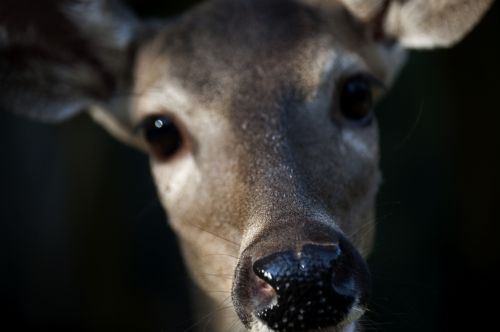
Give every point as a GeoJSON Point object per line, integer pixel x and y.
{"type": "Point", "coordinates": [310, 289]}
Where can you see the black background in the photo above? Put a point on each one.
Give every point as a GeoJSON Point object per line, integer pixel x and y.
{"type": "Point", "coordinates": [84, 245]}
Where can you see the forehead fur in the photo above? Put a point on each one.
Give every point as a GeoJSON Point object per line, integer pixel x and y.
{"type": "Point", "coordinates": [225, 44]}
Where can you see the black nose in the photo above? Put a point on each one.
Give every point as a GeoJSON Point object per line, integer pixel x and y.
{"type": "Point", "coordinates": [314, 289]}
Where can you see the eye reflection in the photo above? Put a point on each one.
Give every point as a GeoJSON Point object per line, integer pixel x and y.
{"type": "Point", "coordinates": [162, 136]}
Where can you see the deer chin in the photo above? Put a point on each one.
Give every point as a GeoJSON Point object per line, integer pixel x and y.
{"type": "Point", "coordinates": [258, 326]}
{"type": "Point", "coordinates": [349, 325]}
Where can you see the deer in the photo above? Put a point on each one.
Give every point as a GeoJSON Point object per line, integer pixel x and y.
{"type": "Point", "coordinates": [257, 116]}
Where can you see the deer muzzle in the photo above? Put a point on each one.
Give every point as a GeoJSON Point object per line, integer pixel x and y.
{"type": "Point", "coordinates": [301, 285]}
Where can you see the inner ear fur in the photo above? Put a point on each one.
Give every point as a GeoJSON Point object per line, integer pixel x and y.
{"type": "Point", "coordinates": [421, 23]}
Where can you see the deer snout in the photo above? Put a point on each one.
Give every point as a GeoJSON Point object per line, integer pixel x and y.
{"type": "Point", "coordinates": [315, 287]}
{"type": "Point", "coordinates": [311, 288]}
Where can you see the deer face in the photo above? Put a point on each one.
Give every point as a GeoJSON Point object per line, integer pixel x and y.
{"type": "Point", "coordinates": [258, 116]}
{"type": "Point", "coordinates": [277, 142]}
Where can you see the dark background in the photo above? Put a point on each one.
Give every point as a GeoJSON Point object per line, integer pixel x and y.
{"type": "Point", "coordinates": [84, 245]}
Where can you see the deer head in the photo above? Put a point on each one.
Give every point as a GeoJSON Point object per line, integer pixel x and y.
{"type": "Point", "coordinates": [258, 117]}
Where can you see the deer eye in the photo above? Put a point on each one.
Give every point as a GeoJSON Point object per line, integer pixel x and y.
{"type": "Point", "coordinates": [162, 135]}
{"type": "Point", "coordinates": [357, 97]}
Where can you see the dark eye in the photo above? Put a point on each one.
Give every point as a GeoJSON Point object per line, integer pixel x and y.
{"type": "Point", "coordinates": [162, 135]}
{"type": "Point", "coordinates": [356, 97]}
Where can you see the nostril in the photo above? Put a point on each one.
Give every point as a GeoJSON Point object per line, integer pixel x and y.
{"type": "Point", "coordinates": [264, 288]}
{"type": "Point", "coordinates": [307, 290]}
{"type": "Point", "coordinates": [265, 296]}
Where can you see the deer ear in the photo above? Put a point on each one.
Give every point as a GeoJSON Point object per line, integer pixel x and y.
{"type": "Point", "coordinates": [60, 57]}
{"type": "Point", "coordinates": [421, 23]}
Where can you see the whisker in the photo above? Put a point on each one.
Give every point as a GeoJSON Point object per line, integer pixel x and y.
{"type": "Point", "coordinates": [219, 291]}
{"type": "Point", "coordinates": [370, 225]}
{"type": "Point", "coordinates": [233, 325]}
{"type": "Point", "coordinates": [226, 276]}
{"type": "Point", "coordinates": [214, 234]}
{"type": "Point", "coordinates": [213, 316]}
{"type": "Point", "coordinates": [209, 315]}
{"type": "Point", "coordinates": [224, 255]}
{"type": "Point", "coordinates": [222, 309]}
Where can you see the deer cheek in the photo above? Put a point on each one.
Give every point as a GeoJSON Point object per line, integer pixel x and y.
{"type": "Point", "coordinates": [177, 182]}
